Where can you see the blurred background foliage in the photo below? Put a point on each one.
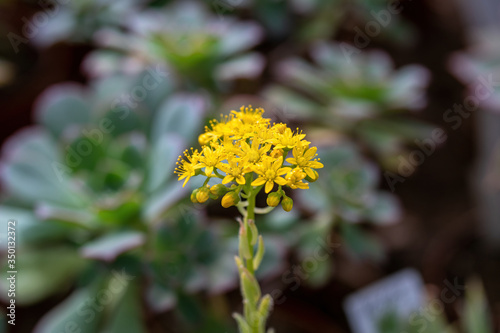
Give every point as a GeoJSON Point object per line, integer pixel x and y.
{"type": "Point", "coordinates": [108, 239]}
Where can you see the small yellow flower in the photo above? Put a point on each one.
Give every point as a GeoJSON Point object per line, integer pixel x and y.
{"type": "Point", "coordinates": [269, 173]}
{"type": "Point", "coordinates": [234, 171]}
{"type": "Point", "coordinates": [302, 157]}
{"type": "Point", "coordinates": [186, 168]}
{"type": "Point", "coordinates": [219, 129]}
{"type": "Point", "coordinates": [285, 138]}
{"type": "Point", "coordinates": [249, 115]}
{"type": "Point", "coordinates": [252, 154]}
{"type": "Point", "coordinates": [210, 158]}
{"type": "Point", "coordinates": [294, 179]}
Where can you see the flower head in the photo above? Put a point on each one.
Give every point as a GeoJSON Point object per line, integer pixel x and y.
{"type": "Point", "coordinates": [246, 152]}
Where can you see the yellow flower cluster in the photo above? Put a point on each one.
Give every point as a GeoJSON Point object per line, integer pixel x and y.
{"type": "Point", "coordinates": [247, 150]}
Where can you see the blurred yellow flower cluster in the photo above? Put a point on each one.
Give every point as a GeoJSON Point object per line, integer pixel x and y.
{"type": "Point", "coordinates": [247, 150]}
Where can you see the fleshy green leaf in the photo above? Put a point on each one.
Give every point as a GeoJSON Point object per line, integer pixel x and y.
{"type": "Point", "coordinates": [163, 199]}
{"type": "Point", "coordinates": [260, 254]}
{"type": "Point", "coordinates": [361, 244]}
{"type": "Point", "coordinates": [160, 298]}
{"type": "Point", "coordinates": [33, 170]}
{"type": "Point", "coordinates": [246, 66]}
{"type": "Point", "coordinates": [164, 154]}
{"type": "Point", "coordinates": [109, 247]}
{"type": "Point", "coordinates": [181, 115]}
{"type": "Point", "coordinates": [44, 272]}
{"type": "Point", "coordinates": [476, 312]}
{"type": "Point", "coordinates": [127, 317]}
{"type": "Point", "coordinates": [239, 37]}
{"type": "Point", "coordinates": [72, 315]}
{"type": "Point", "coordinates": [242, 324]}
{"type": "Point", "coordinates": [61, 107]}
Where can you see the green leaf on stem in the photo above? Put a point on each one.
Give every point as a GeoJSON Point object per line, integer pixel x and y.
{"type": "Point", "coordinates": [242, 324]}
{"type": "Point", "coordinates": [250, 288]}
{"type": "Point", "coordinates": [476, 313]}
{"type": "Point", "coordinates": [254, 233]}
{"type": "Point", "coordinates": [265, 307]}
{"type": "Point", "coordinates": [260, 254]}
{"type": "Point", "coordinates": [244, 246]}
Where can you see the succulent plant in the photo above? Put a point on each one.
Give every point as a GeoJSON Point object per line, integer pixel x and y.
{"type": "Point", "coordinates": [479, 65]}
{"type": "Point", "coordinates": [199, 49]}
{"type": "Point", "coordinates": [78, 21]}
{"type": "Point", "coordinates": [358, 97]}
{"type": "Point", "coordinates": [91, 187]}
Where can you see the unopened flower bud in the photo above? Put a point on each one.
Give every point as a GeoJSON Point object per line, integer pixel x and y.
{"type": "Point", "coordinates": [273, 199]}
{"type": "Point", "coordinates": [218, 189]}
{"type": "Point", "coordinates": [202, 194]}
{"type": "Point", "coordinates": [280, 128]}
{"type": "Point", "coordinates": [287, 204]}
{"type": "Point", "coordinates": [276, 153]}
{"type": "Point", "coordinates": [193, 196]}
{"type": "Point", "coordinates": [204, 139]}
{"type": "Point", "coordinates": [230, 199]}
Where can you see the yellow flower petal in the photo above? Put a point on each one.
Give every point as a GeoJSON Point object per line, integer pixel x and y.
{"type": "Point", "coordinates": [310, 173]}
{"type": "Point", "coordinates": [316, 165]}
{"type": "Point", "coordinates": [310, 153]}
{"type": "Point", "coordinates": [281, 181]}
{"type": "Point", "coordinates": [259, 181]}
{"type": "Point", "coordinates": [277, 164]}
{"type": "Point", "coordinates": [284, 170]}
{"type": "Point", "coordinates": [269, 186]}
{"type": "Point", "coordinates": [227, 179]}
{"type": "Point", "coordinates": [240, 180]}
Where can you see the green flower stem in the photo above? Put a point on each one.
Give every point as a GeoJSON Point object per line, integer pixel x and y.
{"type": "Point", "coordinates": [250, 215]}
{"type": "Point", "coordinates": [256, 308]}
